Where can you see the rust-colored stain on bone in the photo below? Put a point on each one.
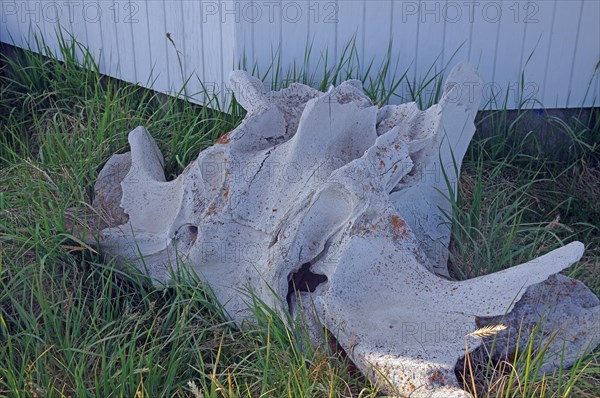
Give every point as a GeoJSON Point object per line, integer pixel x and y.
{"type": "Point", "coordinates": [224, 139]}
{"type": "Point", "coordinates": [398, 224]}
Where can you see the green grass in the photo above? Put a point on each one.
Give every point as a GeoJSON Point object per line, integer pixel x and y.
{"type": "Point", "coordinates": [73, 326]}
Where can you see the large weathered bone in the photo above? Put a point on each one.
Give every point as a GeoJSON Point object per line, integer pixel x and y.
{"type": "Point", "coordinates": [331, 203]}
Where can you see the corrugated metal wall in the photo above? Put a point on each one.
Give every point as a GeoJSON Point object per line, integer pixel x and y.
{"type": "Point", "coordinates": [555, 42]}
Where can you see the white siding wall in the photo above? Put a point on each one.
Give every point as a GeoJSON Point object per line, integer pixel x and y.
{"type": "Point", "coordinates": [555, 42]}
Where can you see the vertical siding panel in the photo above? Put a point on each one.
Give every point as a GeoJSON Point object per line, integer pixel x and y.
{"type": "Point", "coordinates": [335, 30]}
{"type": "Point", "coordinates": [22, 23]}
{"type": "Point", "coordinates": [227, 51]}
{"type": "Point", "coordinates": [48, 24]}
{"type": "Point", "coordinates": [167, 45]}
{"type": "Point", "coordinates": [459, 23]}
{"type": "Point", "coordinates": [561, 54]}
{"type": "Point", "coordinates": [431, 39]}
{"type": "Point", "coordinates": [266, 33]}
{"type": "Point", "coordinates": [108, 43]}
{"type": "Point", "coordinates": [150, 66]}
{"type": "Point", "coordinates": [9, 15]}
{"type": "Point", "coordinates": [101, 15]}
{"type": "Point", "coordinates": [64, 21]}
{"type": "Point", "coordinates": [72, 27]}
{"type": "Point", "coordinates": [495, 51]}
{"type": "Point", "coordinates": [211, 42]}
{"type": "Point", "coordinates": [572, 68]}
{"type": "Point", "coordinates": [78, 25]}
{"type": "Point", "coordinates": [254, 42]}
{"type": "Point", "coordinates": [157, 39]}
{"type": "Point", "coordinates": [364, 29]}
{"type": "Point", "coordinates": [91, 14]}
{"type": "Point", "coordinates": [185, 35]}
{"type": "Point", "coordinates": [131, 9]}
{"type": "Point", "coordinates": [173, 15]}
{"type": "Point", "coordinates": [28, 24]}
{"type": "Point", "coordinates": [377, 32]}
{"type": "Point", "coordinates": [351, 25]}
{"type": "Point", "coordinates": [201, 24]}
{"type": "Point", "coordinates": [249, 15]}
{"type": "Point", "coordinates": [137, 17]}
{"type": "Point", "coordinates": [279, 33]}
{"type": "Point", "coordinates": [404, 36]}
{"type": "Point", "coordinates": [192, 53]}
{"type": "Point", "coordinates": [305, 18]}
{"type": "Point", "coordinates": [81, 20]}
{"type": "Point", "coordinates": [582, 85]}
{"type": "Point", "coordinates": [123, 21]}
{"type": "Point", "coordinates": [294, 32]}
{"type": "Point", "coordinates": [523, 30]}
{"type": "Point", "coordinates": [547, 54]}
{"type": "Point", "coordinates": [57, 21]}
{"type": "Point", "coordinates": [508, 53]}
{"type": "Point", "coordinates": [538, 19]}
{"type": "Point", "coordinates": [395, 69]}
{"type": "Point", "coordinates": [223, 18]}
{"type": "Point", "coordinates": [323, 16]}
{"type": "Point", "coordinates": [39, 26]}
{"type": "Point", "coordinates": [117, 61]}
